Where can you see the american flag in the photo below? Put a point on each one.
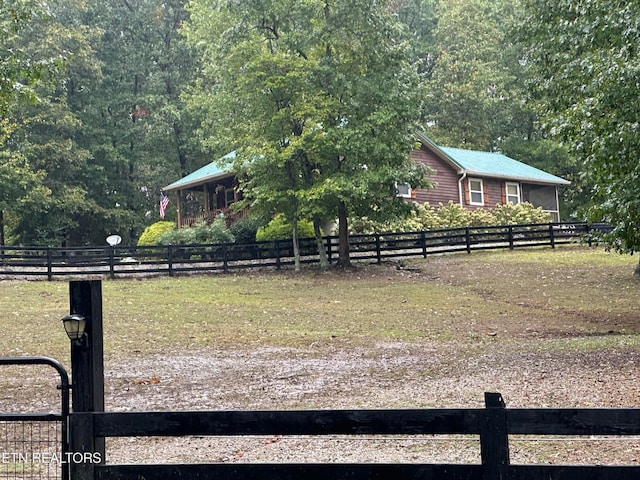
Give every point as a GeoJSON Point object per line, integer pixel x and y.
{"type": "Point", "coordinates": [164, 201]}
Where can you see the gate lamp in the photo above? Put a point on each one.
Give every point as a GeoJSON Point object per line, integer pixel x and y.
{"type": "Point", "coordinates": [74, 325]}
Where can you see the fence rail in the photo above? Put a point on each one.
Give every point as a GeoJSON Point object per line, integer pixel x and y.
{"type": "Point", "coordinates": [492, 424]}
{"type": "Point", "coordinates": [122, 261]}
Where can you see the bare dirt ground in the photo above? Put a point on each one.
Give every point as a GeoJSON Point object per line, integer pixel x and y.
{"type": "Point", "coordinates": [338, 373]}
{"type": "Point", "coordinates": [396, 375]}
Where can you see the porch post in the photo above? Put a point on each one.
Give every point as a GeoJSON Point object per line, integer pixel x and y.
{"type": "Point", "coordinates": [206, 198]}
{"type": "Point", "coordinates": [179, 208]}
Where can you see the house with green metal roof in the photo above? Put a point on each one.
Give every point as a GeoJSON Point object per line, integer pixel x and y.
{"type": "Point", "coordinates": [471, 178]}
{"type": "Point", "coordinates": [211, 189]}
{"type": "Point", "coordinates": [476, 179]}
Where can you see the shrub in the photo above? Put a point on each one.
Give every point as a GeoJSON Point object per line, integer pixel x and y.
{"type": "Point", "coordinates": [523, 213]}
{"type": "Point", "coordinates": [153, 232]}
{"type": "Point", "coordinates": [201, 234]}
{"type": "Point", "coordinates": [452, 215]}
{"type": "Point", "coordinates": [245, 230]}
{"type": "Point", "coordinates": [481, 217]}
{"type": "Point", "coordinates": [428, 217]}
{"type": "Point", "coordinates": [280, 229]}
{"type": "Point", "coordinates": [366, 226]}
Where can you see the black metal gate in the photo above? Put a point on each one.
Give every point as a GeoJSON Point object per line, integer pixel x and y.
{"type": "Point", "coordinates": [35, 445]}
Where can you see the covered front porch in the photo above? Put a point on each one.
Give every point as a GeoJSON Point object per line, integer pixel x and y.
{"type": "Point", "coordinates": [206, 194]}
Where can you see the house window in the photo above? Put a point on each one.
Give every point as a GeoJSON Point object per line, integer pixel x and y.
{"type": "Point", "coordinates": [229, 196]}
{"type": "Point", "coordinates": [513, 193]}
{"type": "Point", "coordinates": [476, 193]}
{"type": "Point", "coordinates": [404, 190]}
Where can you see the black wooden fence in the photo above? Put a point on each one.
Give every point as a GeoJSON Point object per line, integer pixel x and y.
{"type": "Point", "coordinates": [493, 424]}
{"type": "Point", "coordinates": [121, 261]}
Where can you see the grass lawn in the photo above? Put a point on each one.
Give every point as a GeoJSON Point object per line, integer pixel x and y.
{"type": "Point", "coordinates": [571, 296]}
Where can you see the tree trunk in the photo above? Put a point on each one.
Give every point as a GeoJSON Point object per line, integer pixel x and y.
{"type": "Point", "coordinates": [636, 272]}
{"type": "Point", "coordinates": [344, 260]}
{"type": "Point", "coordinates": [1, 228]}
{"type": "Point", "coordinates": [322, 252]}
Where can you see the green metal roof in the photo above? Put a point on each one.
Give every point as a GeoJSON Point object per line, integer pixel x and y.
{"type": "Point", "coordinates": [205, 174]}
{"type": "Point", "coordinates": [471, 162]}
{"type": "Point", "coordinates": [490, 164]}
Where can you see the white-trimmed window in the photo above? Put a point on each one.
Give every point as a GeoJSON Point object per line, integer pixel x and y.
{"type": "Point", "coordinates": [476, 192]}
{"type": "Point", "coordinates": [404, 190]}
{"type": "Point", "coordinates": [512, 191]}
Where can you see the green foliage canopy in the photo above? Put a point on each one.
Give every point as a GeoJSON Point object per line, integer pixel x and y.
{"type": "Point", "coordinates": [586, 66]}
{"type": "Point", "coordinates": [319, 98]}
{"type": "Point", "coordinates": [473, 99]}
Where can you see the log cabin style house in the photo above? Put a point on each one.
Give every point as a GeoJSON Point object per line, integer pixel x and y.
{"type": "Point", "coordinates": [217, 187]}
{"type": "Point", "coordinates": [473, 179]}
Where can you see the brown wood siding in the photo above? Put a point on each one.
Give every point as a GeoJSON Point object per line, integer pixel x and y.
{"type": "Point", "coordinates": [492, 192]}
{"type": "Point", "coordinates": [445, 179]}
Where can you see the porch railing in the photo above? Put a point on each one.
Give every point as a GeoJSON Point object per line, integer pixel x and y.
{"type": "Point", "coordinates": [228, 214]}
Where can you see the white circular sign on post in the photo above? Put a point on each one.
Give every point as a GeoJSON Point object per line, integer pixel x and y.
{"type": "Point", "coordinates": [114, 240]}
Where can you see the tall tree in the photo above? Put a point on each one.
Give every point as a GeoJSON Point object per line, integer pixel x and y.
{"type": "Point", "coordinates": [113, 129]}
{"type": "Point", "coordinates": [20, 75]}
{"type": "Point", "coordinates": [135, 123]}
{"type": "Point", "coordinates": [474, 94]}
{"type": "Point", "coordinates": [420, 19]}
{"type": "Point", "coordinates": [319, 99]}
{"type": "Point", "coordinates": [586, 64]}
{"type": "Point", "coordinates": [18, 72]}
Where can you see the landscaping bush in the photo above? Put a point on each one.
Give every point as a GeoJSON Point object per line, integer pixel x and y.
{"type": "Point", "coordinates": [201, 234]}
{"type": "Point", "coordinates": [280, 229]}
{"type": "Point", "coordinates": [520, 214]}
{"type": "Point", "coordinates": [453, 215]}
{"type": "Point", "coordinates": [153, 232]}
{"type": "Point", "coordinates": [245, 230]}
{"type": "Point", "coordinates": [481, 217]}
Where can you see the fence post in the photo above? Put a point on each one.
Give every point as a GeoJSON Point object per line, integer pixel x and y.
{"type": "Point", "coordinates": [170, 259]}
{"type": "Point", "coordinates": [112, 266]}
{"type": "Point", "coordinates": [82, 455]}
{"type": "Point", "coordinates": [49, 267]}
{"type": "Point", "coordinates": [494, 439]}
{"type": "Point", "coordinates": [423, 240]}
{"type": "Point", "coordinates": [378, 252]}
{"type": "Point", "coordinates": [551, 236]}
{"type": "Point", "coordinates": [225, 259]}
{"type": "Point", "coordinates": [510, 237]}
{"type": "Point", "coordinates": [87, 364]}
{"type": "Point", "coordinates": [467, 235]}
{"type": "Point", "coordinates": [277, 255]}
